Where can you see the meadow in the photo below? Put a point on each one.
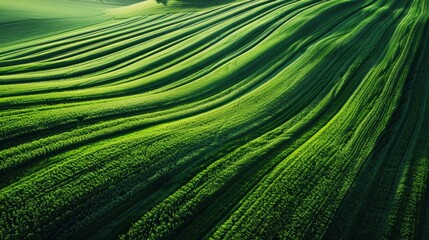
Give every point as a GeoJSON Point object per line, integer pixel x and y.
{"type": "Point", "coordinates": [214, 119]}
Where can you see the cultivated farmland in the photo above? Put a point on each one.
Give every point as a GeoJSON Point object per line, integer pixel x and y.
{"type": "Point", "coordinates": [214, 119]}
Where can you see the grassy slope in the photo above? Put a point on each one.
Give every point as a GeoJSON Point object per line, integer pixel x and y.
{"type": "Point", "coordinates": [21, 20]}
{"type": "Point", "coordinates": [165, 6]}
{"type": "Point", "coordinates": [236, 120]}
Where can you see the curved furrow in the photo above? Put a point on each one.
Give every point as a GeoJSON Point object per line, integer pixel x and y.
{"type": "Point", "coordinates": [12, 52]}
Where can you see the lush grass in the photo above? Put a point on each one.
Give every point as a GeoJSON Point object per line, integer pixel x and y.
{"type": "Point", "coordinates": [261, 119]}
{"type": "Point", "coordinates": [23, 20]}
{"type": "Point", "coordinates": [165, 6]}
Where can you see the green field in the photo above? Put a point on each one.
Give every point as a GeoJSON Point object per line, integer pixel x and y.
{"type": "Point", "coordinates": [214, 119]}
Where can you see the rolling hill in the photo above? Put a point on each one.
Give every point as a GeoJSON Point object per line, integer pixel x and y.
{"type": "Point", "coordinates": [198, 119]}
